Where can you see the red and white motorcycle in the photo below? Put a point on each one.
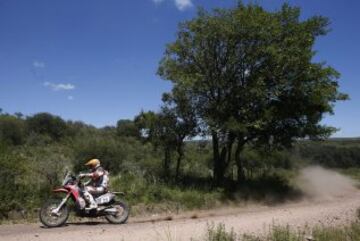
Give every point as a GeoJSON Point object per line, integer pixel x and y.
{"type": "Point", "coordinates": [55, 212]}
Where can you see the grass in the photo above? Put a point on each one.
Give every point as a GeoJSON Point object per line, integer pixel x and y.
{"type": "Point", "coordinates": [278, 233]}
{"type": "Point", "coordinates": [219, 233]}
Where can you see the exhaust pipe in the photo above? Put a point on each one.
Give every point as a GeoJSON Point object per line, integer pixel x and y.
{"type": "Point", "coordinates": [111, 210]}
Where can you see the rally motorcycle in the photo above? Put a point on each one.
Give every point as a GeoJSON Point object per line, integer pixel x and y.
{"type": "Point", "coordinates": [55, 212]}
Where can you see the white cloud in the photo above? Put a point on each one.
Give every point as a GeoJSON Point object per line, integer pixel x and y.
{"type": "Point", "coordinates": [70, 97]}
{"type": "Point", "coordinates": [183, 4]}
{"type": "Point", "coordinates": [38, 64]}
{"type": "Point", "coordinates": [157, 1]}
{"type": "Point", "coordinates": [57, 87]}
{"type": "Point", "coordinates": [180, 4]}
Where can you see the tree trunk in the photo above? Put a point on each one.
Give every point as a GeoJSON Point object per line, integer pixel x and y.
{"type": "Point", "coordinates": [230, 142]}
{"type": "Point", "coordinates": [229, 153]}
{"type": "Point", "coordinates": [239, 161]}
{"type": "Point", "coordinates": [167, 159]}
{"type": "Point", "coordinates": [180, 152]}
{"type": "Point", "coordinates": [217, 164]}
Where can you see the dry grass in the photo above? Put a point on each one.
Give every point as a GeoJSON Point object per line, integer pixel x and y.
{"type": "Point", "coordinates": [277, 233]}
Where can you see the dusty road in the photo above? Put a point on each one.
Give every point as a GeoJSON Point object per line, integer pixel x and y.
{"type": "Point", "coordinates": [330, 210]}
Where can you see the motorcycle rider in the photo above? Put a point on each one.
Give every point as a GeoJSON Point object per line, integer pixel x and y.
{"type": "Point", "coordinates": [98, 183]}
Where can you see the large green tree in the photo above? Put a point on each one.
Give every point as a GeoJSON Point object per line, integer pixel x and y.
{"type": "Point", "coordinates": [250, 76]}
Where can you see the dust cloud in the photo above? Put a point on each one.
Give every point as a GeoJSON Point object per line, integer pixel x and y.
{"type": "Point", "coordinates": [322, 184]}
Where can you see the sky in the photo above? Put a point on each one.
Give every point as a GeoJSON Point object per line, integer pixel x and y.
{"type": "Point", "coordinates": [96, 61]}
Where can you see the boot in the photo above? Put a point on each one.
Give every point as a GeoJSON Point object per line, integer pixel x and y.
{"type": "Point", "coordinates": [92, 205]}
{"type": "Point", "coordinates": [90, 200]}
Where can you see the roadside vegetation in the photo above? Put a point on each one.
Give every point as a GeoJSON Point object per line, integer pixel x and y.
{"type": "Point", "coordinates": [33, 166]}
{"type": "Point", "coordinates": [277, 233]}
{"type": "Point", "coordinates": [33, 161]}
{"type": "Point", "coordinates": [245, 87]}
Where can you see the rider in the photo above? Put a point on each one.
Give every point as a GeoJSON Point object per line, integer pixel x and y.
{"type": "Point", "coordinates": [98, 184]}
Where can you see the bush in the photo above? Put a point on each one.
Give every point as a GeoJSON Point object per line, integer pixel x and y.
{"type": "Point", "coordinates": [47, 124]}
{"type": "Point", "coordinates": [12, 130]}
{"type": "Point", "coordinates": [27, 175]}
{"type": "Point", "coordinates": [331, 153]}
{"type": "Point", "coordinates": [219, 233]}
{"type": "Point", "coordinates": [151, 191]}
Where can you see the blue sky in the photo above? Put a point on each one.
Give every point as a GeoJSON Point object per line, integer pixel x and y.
{"type": "Point", "coordinates": [96, 61]}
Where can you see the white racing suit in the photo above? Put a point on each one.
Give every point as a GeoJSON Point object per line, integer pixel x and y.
{"type": "Point", "coordinates": [98, 185]}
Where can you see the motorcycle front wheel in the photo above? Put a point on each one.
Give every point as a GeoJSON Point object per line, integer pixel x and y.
{"type": "Point", "coordinates": [48, 218]}
{"type": "Point", "coordinates": [122, 214]}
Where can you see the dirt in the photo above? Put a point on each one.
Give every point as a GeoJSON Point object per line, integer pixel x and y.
{"type": "Point", "coordinates": [331, 200]}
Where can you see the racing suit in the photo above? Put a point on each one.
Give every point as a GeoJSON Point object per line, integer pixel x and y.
{"type": "Point", "coordinates": [98, 185]}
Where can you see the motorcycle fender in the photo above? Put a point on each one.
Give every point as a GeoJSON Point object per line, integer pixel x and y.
{"type": "Point", "coordinates": [60, 190]}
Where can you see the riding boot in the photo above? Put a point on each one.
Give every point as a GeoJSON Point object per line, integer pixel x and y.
{"type": "Point", "coordinates": [90, 199]}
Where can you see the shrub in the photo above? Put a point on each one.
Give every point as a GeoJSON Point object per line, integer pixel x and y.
{"type": "Point", "coordinates": [219, 233]}
{"type": "Point", "coordinates": [47, 124]}
{"type": "Point", "coordinates": [12, 130]}
{"type": "Point", "coordinates": [279, 233]}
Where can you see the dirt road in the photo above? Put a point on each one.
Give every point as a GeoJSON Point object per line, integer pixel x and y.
{"type": "Point", "coordinates": [337, 209]}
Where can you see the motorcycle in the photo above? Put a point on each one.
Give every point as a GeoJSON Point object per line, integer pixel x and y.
{"type": "Point", "coordinates": [55, 212]}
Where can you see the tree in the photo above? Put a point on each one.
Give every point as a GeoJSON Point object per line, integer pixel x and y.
{"type": "Point", "coordinates": [167, 130]}
{"type": "Point", "coordinates": [19, 115]}
{"type": "Point", "coordinates": [184, 121]}
{"type": "Point", "coordinates": [127, 128]}
{"type": "Point", "coordinates": [107, 149]}
{"type": "Point", "coordinates": [12, 130]}
{"type": "Point", "coordinates": [158, 129]}
{"type": "Point", "coordinates": [47, 124]}
{"type": "Point", "coordinates": [249, 74]}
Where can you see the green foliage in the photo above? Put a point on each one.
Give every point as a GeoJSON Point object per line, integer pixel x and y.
{"type": "Point", "coordinates": [31, 169]}
{"type": "Point", "coordinates": [116, 153]}
{"type": "Point", "coordinates": [106, 149]}
{"type": "Point", "coordinates": [13, 191]}
{"type": "Point", "coordinates": [279, 233]}
{"type": "Point", "coordinates": [166, 130]}
{"type": "Point", "coordinates": [271, 186]}
{"type": "Point", "coordinates": [284, 233]}
{"type": "Point", "coordinates": [219, 233]}
{"type": "Point", "coordinates": [151, 191]}
{"type": "Point", "coordinates": [250, 77]}
{"type": "Point", "coordinates": [256, 160]}
{"type": "Point", "coordinates": [46, 166]}
{"type": "Point", "coordinates": [127, 128]}
{"type": "Point", "coordinates": [353, 172]}
{"type": "Point", "coordinates": [47, 124]}
{"type": "Point", "coordinates": [12, 130]}
{"type": "Point", "coordinates": [331, 154]}
{"type": "Point", "coordinates": [28, 174]}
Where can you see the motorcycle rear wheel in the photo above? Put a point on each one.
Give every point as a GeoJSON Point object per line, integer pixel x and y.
{"type": "Point", "coordinates": [51, 220]}
{"type": "Point", "coordinates": [121, 216]}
